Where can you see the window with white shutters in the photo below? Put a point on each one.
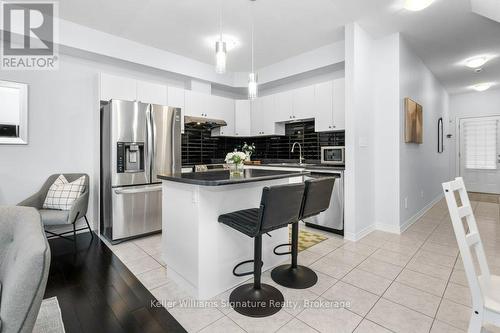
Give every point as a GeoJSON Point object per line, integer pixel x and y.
{"type": "Point", "coordinates": [480, 144]}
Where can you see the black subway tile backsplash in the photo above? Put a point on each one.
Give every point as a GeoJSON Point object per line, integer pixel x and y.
{"type": "Point", "coordinates": [199, 147]}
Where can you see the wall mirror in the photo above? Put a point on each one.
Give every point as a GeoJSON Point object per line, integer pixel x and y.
{"type": "Point", "coordinates": [13, 113]}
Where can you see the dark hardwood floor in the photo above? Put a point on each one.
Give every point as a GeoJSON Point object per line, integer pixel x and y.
{"type": "Point", "coordinates": [97, 293]}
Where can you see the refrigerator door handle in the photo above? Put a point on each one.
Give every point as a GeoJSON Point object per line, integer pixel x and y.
{"type": "Point", "coordinates": [149, 143]}
{"type": "Point", "coordinates": [138, 190]}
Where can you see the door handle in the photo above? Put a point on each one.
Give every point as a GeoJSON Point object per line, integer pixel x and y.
{"type": "Point", "coordinates": [138, 190]}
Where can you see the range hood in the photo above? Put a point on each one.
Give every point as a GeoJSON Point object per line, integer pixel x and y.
{"type": "Point", "coordinates": [203, 122]}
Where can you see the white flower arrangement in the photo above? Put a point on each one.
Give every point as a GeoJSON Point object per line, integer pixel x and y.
{"type": "Point", "coordinates": [236, 157]}
{"type": "Point", "coordinates": [248, 149]}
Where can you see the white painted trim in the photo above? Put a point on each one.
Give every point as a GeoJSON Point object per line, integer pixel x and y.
{"type": "Point", "coordinates": [354, 237]}
{"type": "Point", "coordinates": [388, 228]}
{"type": "Point", "coordinates": [408, 223]}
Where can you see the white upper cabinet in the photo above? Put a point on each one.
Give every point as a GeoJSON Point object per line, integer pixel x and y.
{"type": "Point", "coordinates": [197, 104]}
{"type": "Point", "coordinates": [223, 108]}
{"type": "Point", "coordinates": [175, 97]}
{"type": "Point", "coordinates": [257, 117]}
{"type": "Point", "coordinates": [323, 107]}
{"type": "Point", "coordinates": [153, 93]}
{"type": "Point", "coordinates": [263, 116]}
{"type": "Point", "coordinates": [339, 104]}
{"type": "Point", "coordinates": [116, 87]}
{"type": "Point", "coordinates": [303, 103]}
{"type": "Point", "coordinates": [283, 106]}
{"type": "Point", "coordinates": [242, 117]}
{"type": "Point", "coordinates": [329, 106]}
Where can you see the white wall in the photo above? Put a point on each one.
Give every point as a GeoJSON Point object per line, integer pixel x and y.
{"type": "Point", "coordinates": [63, 126]}
{"type": "Point", "coordinates": [422, 169]}
{"type": "Point", "coordinates": [381, 170]}
{"type": "Point", "coordinates": [359, 139]}
{"type": "Point", "coordinates": [473, 104]}
{"type": "Point", "coordinates": [386, 141]}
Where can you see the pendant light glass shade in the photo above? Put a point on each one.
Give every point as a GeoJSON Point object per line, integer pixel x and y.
{"type": "Point", "coordinates": [252, 86]}
{"type": "Point", "coordinates": [220, 56]}
{"type": "Point", "coordinates": [252, 77]}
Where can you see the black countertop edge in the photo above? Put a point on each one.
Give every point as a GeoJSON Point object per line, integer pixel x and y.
{"type": "Point", "coordinates": [315, 167]}
{"type": "Point", "coordinates": [224, 177]}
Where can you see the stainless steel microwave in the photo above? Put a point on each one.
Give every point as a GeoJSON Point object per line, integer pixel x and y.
{"type": "Point", "coordinates": [333, 155]}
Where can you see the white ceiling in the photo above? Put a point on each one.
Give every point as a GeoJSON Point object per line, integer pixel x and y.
{"type": "Point", "coordinates": [442, 35]}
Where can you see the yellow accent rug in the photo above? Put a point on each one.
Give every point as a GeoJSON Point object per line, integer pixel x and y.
{"type": "Point", "coordinates": [308, 239]}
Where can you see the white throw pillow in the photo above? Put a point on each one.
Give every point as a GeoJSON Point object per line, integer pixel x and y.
{"type": "Point", "coordinates": [62, 194]}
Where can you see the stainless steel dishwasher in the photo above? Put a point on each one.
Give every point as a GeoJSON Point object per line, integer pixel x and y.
{"type": "Point", "coordinates": [333, 218]}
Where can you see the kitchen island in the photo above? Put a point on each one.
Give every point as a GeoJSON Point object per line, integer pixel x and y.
{"type": "Point", "coordinates": [200, 252]}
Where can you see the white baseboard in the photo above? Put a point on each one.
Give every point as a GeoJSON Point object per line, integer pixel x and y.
{"type": "Point", "coordinates": [393, 229]}
{"type": "Point", "coordinates": [408, 223]}
{"type": "Point", "coordinates": [353, 237]}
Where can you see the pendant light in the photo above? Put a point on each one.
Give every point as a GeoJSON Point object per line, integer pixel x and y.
{"type": "Point", "coordinates": [220, 49]}
{"type": "Point", "coordinates": [252, 77]}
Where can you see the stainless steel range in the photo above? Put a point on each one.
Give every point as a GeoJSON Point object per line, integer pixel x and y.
{"type": "Point", "coordinates": [138, 142]}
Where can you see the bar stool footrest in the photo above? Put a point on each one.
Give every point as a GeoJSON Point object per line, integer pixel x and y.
{"type": "Point", "coordinates": [282, 253]}
{"type": "Point", "coordinates": [243, 263]}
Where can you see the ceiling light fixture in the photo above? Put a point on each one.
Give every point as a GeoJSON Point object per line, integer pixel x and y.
{"type": "Point", "coordinates": [252, 77]}
{"type": "Point", "coordinates": [476, 62]}
{"type": "Point", "coordinates": [416, 5]}
{"type": "Point", "coordinates": [482, 86]}
{"type": "Point", "coordinates": [220, 49]}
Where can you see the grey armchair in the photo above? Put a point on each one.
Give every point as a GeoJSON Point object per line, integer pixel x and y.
{"type": "Point", "coordinates": [54, 217]}
{"type": "Point", "coordinates": [24, 268]}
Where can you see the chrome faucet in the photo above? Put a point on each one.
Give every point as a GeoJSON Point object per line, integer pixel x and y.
{"type": "Point", "coordinates": [301, 158]}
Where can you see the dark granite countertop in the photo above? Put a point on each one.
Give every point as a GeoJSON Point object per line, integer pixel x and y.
{"type": "Point", "coordinates": [223, 177]}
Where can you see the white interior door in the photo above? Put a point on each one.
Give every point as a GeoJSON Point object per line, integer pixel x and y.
{"type": "Point", "coordinates": [479, 153]}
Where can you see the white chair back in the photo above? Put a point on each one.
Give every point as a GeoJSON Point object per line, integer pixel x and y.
{"type": "Point", "coordinates": [468, 238]}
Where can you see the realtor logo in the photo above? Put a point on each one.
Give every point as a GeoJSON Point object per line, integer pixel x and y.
{"type": "Point", "coordinates": [29, 35]}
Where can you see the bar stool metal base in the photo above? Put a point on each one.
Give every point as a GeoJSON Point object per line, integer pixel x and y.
{"type": "Point", "coordinates": [300, 277]}
{"type": "Point", "coordinates": [252, 302]}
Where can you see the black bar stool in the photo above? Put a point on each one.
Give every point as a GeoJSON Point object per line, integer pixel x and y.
{"type": "Point", "coordinates": [280, 205]}
{"type": "Point", "coordinates": [317, 196]}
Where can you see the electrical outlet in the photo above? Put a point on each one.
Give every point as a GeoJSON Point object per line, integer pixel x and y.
{"type": "Point", "coordinates": [422, 194]}
{"type": "Point", "coordinates": [406, 203]}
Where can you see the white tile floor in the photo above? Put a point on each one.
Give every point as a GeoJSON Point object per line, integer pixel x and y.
{"type": "Point", "coordinates": [412, 282]}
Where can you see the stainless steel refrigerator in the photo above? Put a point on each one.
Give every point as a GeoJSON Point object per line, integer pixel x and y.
{"type": "Point", "coordinates": [138, 142]}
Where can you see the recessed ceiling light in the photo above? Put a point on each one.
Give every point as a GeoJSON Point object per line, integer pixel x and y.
{"type": "Point", "coordinates": [231, 41]}
{"type": "Point", "coordinates": [476, 62]}
{"type": "Point", "coordinates": [482, 86]}
{"type": "Point", "coordinates": [416, 5]}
